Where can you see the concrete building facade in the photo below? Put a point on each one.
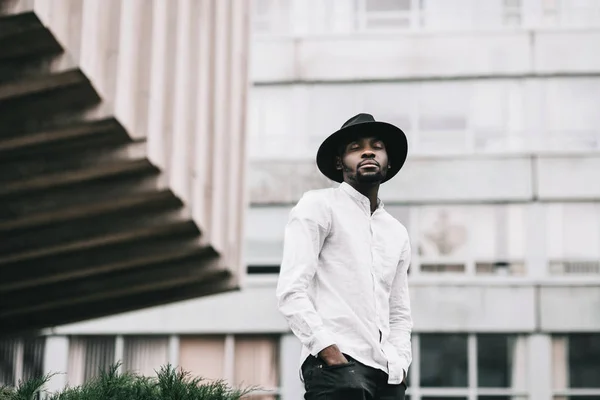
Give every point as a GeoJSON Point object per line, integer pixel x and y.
{"type": "Point", "coordinates": [500, 194]}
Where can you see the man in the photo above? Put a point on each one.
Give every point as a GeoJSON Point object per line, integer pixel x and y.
{"type": "Point", "coordinates": [343, 282]}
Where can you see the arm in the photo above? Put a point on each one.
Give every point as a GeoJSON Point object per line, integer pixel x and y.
{"type": "Point", "coordinates": [305, 233]}
{"type": "Point", "coordinates": [400, 315]}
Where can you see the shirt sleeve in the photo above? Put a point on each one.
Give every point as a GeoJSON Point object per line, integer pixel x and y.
{"type": "Point", "coordinates": [305, 233]}
{"type": "Point", "coordinates": [400, 314]}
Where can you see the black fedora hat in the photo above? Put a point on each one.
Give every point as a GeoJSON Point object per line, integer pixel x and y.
{"type": "Point", "coordinates": [395, 141]}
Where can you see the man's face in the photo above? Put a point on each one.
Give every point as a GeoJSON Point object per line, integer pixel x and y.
{"type": "Point", "coordinates": [364, 160]}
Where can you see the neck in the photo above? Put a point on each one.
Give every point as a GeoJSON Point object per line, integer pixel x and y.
{"type": "Point", "coordinates": [369, 190]}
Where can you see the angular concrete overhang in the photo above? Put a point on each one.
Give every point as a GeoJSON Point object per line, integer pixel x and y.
{"type": "Point", "coordinates": [90, 224]}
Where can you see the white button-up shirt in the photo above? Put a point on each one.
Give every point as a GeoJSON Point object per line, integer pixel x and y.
{"type": "Point", "coordinates": [344, 281]}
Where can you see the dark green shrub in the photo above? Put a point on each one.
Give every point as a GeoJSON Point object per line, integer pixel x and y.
{"type": "Point", "coordinates": [169, 384]}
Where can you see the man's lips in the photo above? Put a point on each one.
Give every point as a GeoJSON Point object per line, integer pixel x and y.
{"type": "Point", "coordinates": [368, 164]}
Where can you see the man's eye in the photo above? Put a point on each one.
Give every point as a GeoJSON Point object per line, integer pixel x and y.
{"type": "Point", "coordinates": [354, 146]}
{"type": "Point", "coordinates": [379, 145]}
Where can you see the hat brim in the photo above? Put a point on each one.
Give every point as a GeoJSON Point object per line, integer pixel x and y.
{"type": "Point", "coordinates": [395, 141]}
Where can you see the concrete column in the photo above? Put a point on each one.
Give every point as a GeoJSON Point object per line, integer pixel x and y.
{"type": "Point", "coordinates": [56, 361]}
{"type": "Point", "coordinates": [174, 350]}
{"type": "Point", "coordinates": [292, 387]}
{"type": "Point", "coordinates": [540, 367]}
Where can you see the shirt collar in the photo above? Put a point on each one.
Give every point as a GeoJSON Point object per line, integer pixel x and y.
{"type": "Point", "coordinates": [358, 196]}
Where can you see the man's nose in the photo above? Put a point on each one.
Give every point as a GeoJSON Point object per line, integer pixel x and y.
{"type": "Point", "coordinates": [368, 153]}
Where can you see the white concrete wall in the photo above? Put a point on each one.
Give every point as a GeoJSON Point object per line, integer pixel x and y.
{"type": "Point", "coordinates": [568, 177]}
{"type": "Point", "coordinates": [424, 55]}
{"type": "Point", "coordinates": [570, 308]}
{"type": "Point", "coordinates": [465, 179]}
{"type": "Point", "coordinates": [439, 305]}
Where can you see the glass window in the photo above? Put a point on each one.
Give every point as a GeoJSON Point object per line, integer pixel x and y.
{"type": "Point", "coordinates": [442, 116]}
{"type": "Point", "coordinates": [265, 227]}
{"type": "Point", "coordinates": [272, 120]}
{"type": "Point", "coordinates": [497, 397]}
{"type": "Point", "coordinates": [501, 361]}
{"type": "Point", "coordinates": [584, 361]}
{"type": "Point", "coordinates": [491, 227]}
{"type": "Point", "coordinates": [88, 355]}
{"type": "Point", "coordinates": [448, 117]}
{"type": "Point", "coordinates": [576, 361]}
{"type": "Point", "coordinates": [444, 398]}
{"type": "Point", "coordinates": [579, 13]}
{"type": "Point", "coordinates": [145, 354]}
{"type": "Point", "coordinates": [492, 237]}
{"type": "Point", "coordinates": [384, 14]}
{"type": "Point", "coordinates": [271, 16]}
{"type": "Point", "coordinates": [256, 364]}
{"type": "Point", "coordinates": [443, 239]}
{"type": "Point", "coordinates": [571, 113]}
{"type": "Point", "coordinates": [21, 359]}
{"type": "Point", "coordinates": [512, 12]}
{"type": "Point", "coordinates": [387, 5]}
{"type": "Point", "coordinates": [443, 14]}
{"type": "Point", "coordinates": [203, 356]}
{"type": "Point", "coordinates": [255, 360]}
{"type": "Point", "coordinates": [573, 237]}
{"type": "Point", "coordinates": [443, 360]}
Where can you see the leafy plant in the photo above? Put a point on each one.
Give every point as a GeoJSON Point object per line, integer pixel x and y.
{"type": "Point", "coordinates": [169, 384]}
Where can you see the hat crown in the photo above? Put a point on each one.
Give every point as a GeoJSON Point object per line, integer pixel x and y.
{"type": "Point", "coordinates": [358, 119]}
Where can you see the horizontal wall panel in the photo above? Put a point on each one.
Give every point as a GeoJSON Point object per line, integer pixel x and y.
{"type": "Point", "coordinates": [390, 56]}
{"type": "Point", "coordinates": [439, 308]}
{"type": "Point", "coordinates": [569, 177]}
{"type": "Point", "coordinates": [398, 56]}
{"type": "Point", "coordinates": [570, 308]}
{"type": "Point", "coordinates": [579, 58]}
{"type": "Point", "coordinates": [436, 307]}
{"type": "Point", "coordinates": [252, 310]}
{"type": "Point", "coordinates": [421, 180]}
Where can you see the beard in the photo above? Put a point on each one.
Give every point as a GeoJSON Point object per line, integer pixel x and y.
{"type": "Point", "coordinates": [365, 179]}
{"type": "Point", "coordinates": [370, 178]}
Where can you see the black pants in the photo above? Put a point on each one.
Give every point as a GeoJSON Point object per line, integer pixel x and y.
{"type": "Point", "coordinates": [352, 381]}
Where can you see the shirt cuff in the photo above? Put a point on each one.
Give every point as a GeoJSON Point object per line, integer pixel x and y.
{"type": "Point", "coordinates": [321, 339]}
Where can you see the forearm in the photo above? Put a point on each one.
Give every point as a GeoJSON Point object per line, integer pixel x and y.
{"type": "Point", "coordinates": [303, 320]}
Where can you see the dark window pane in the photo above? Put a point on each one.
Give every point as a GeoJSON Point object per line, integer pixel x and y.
{"type": "Point", "coordinates": [8, 360]}
{"type": "Point", "coordinates": [495, 354]}
{"type": "Point", "coordinates": [442, 398]}
{"type": "Point", "coordinates": [443, 360]}
{"type": "Point", "coordinates": [33, 357]}
{"type": "Point", "coordinates": [439, 268]}
{"type": "Point", "coordinates": [99, 355]}
{"type": "Point", "coordinates": [496, 397]}
{"type": "Point", "coordinates": [584, 360]}
{"type": "Point", "coordinates": [576, 397]}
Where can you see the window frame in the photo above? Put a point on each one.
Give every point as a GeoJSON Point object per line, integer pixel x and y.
{"type": "Point", "coordinates": [569, 392]}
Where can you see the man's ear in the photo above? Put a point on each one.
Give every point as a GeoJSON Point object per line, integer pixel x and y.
{"type": "Point", "coordinates": [338, 163]}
